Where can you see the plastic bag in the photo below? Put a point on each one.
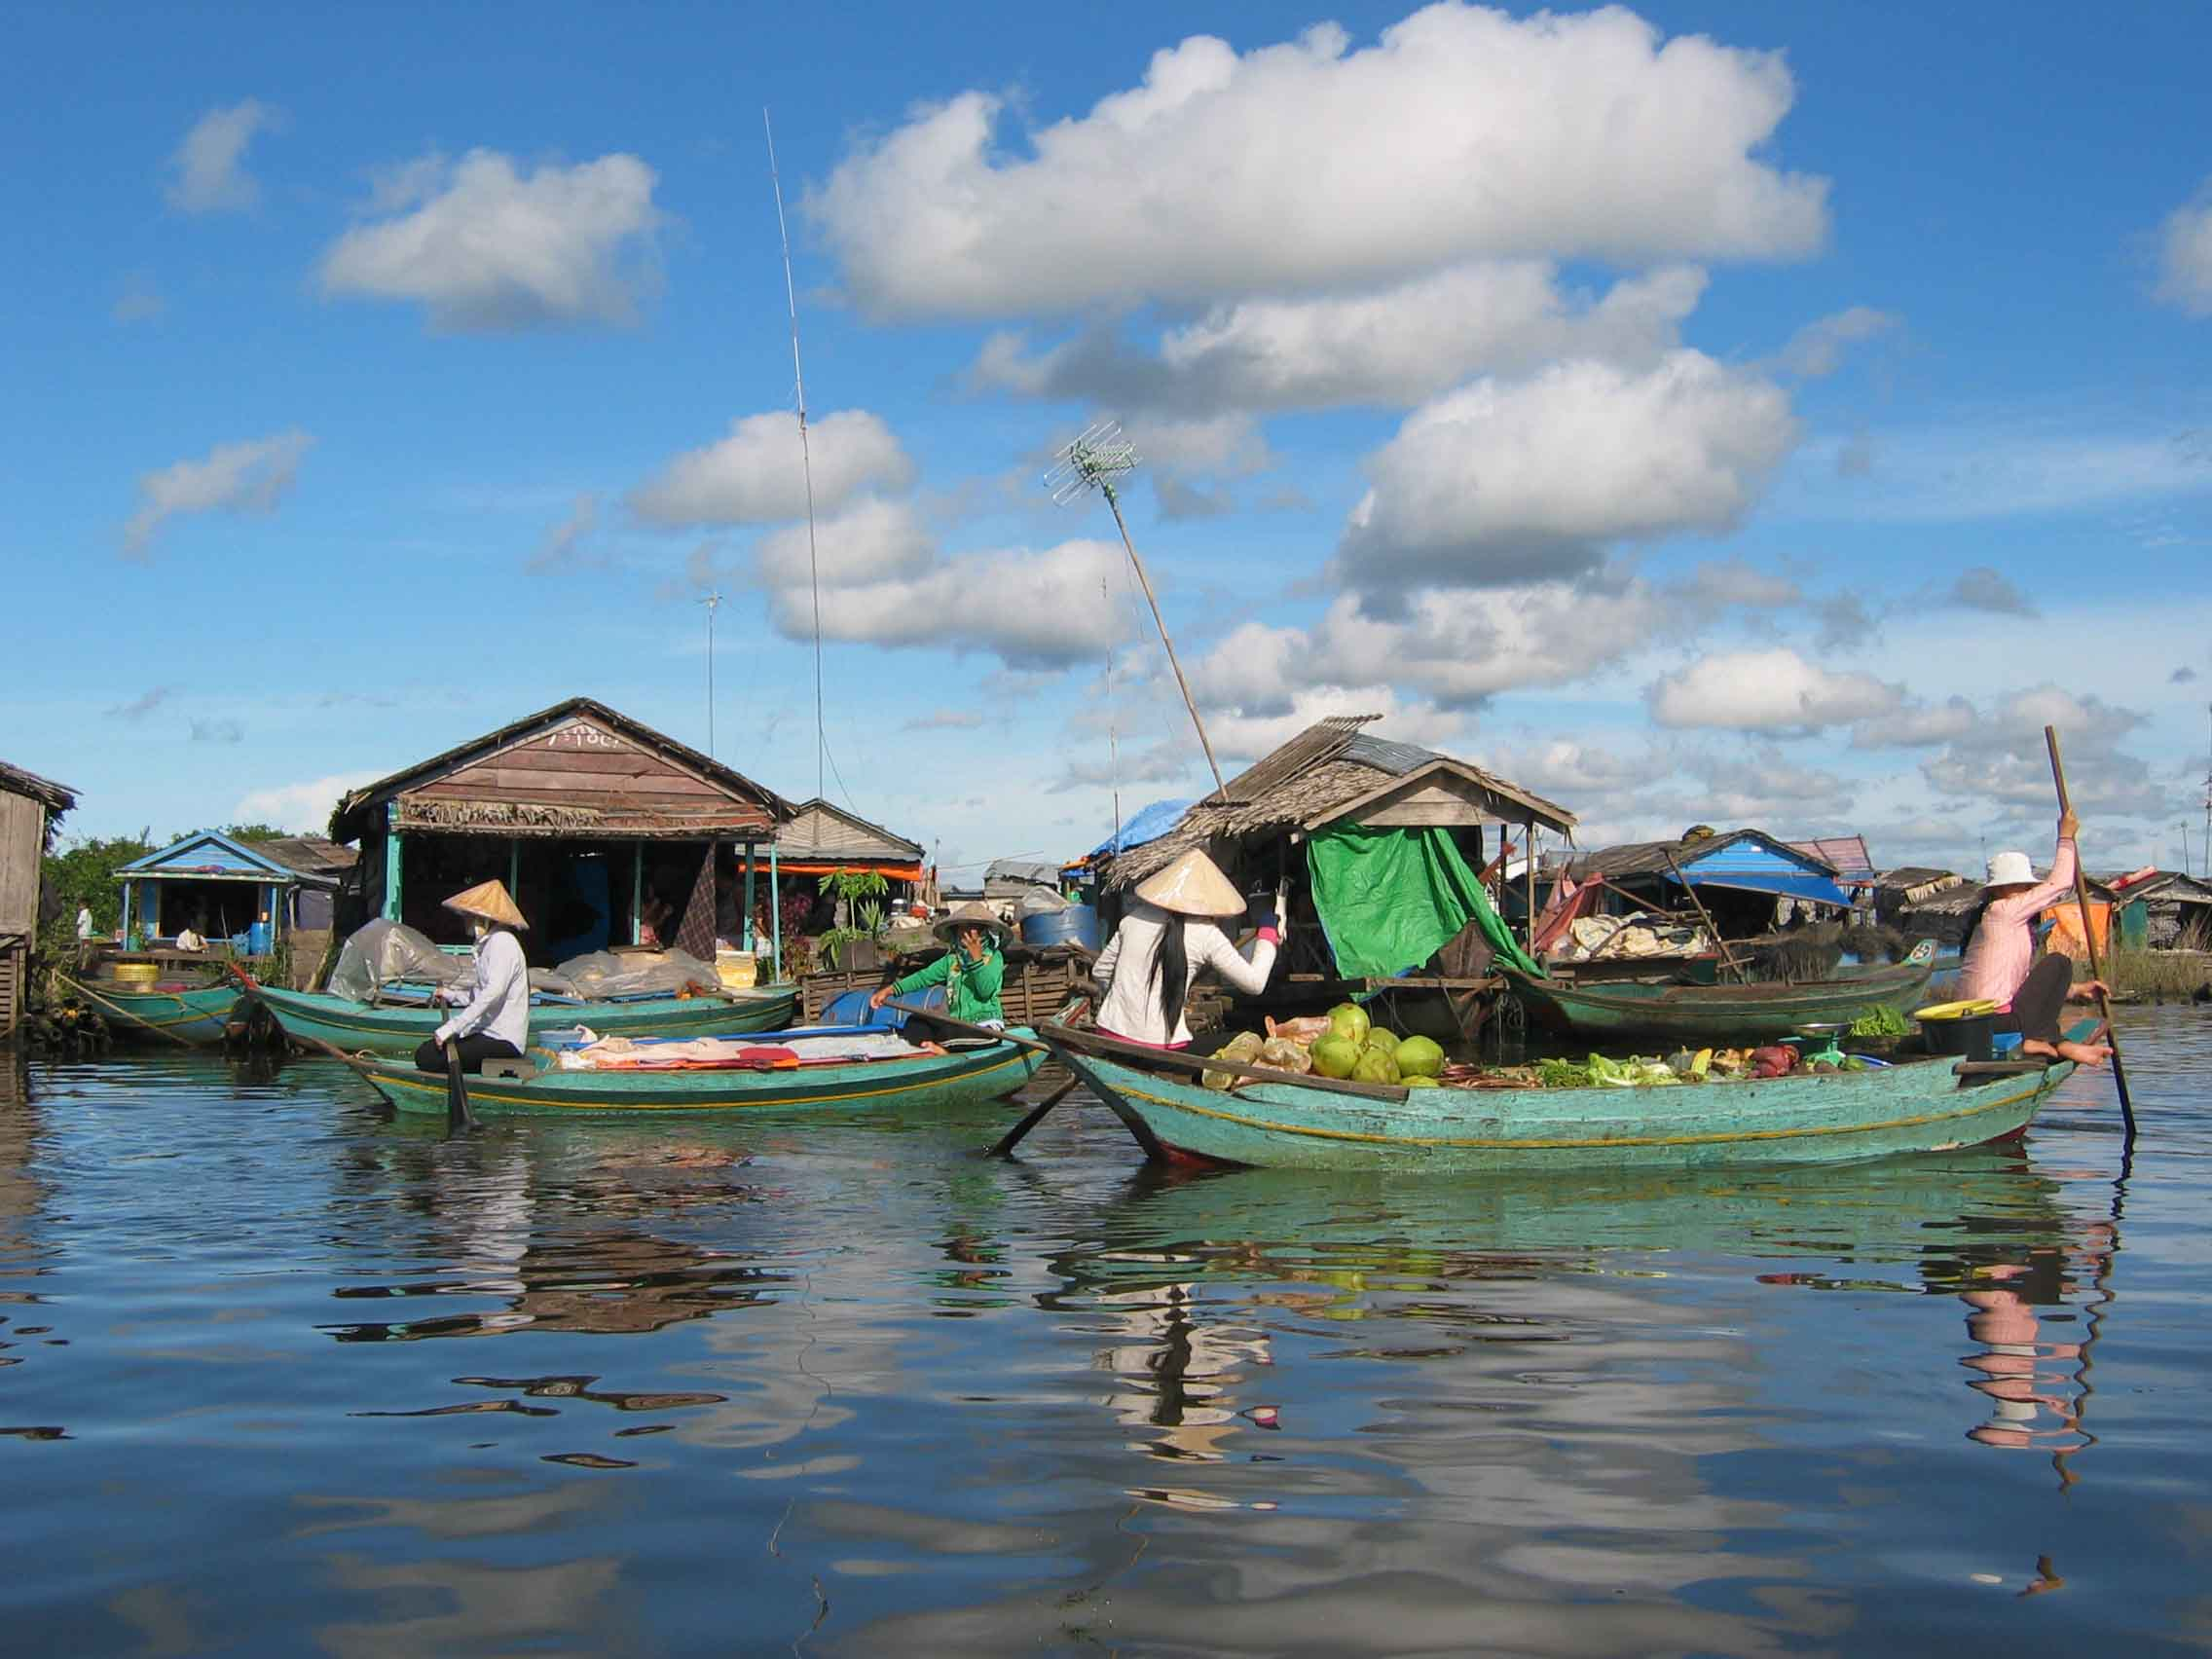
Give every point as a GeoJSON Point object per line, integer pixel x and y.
{"type": "Point", "coordinates": [1243, 1048]}
{"type": "Point", "coordinates": [384, 951]}
{"type": "Point", "coordinates": [598, 975]}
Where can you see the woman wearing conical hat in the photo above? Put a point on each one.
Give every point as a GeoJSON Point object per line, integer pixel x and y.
{"type": "Point", "coordinates": [970, 970]}
{"type": "Point", "coordinates": [1172, 931]}
{"type": "Point", "coordinates": [495, 1022]}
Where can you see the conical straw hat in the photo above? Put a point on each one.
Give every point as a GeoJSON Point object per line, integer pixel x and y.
{"type": "Point", "coordinates": [973, 914]}
{"type": "Point", "coordinates": [489, 899]}
{"type": "Point", "coordinates": [1192, 886]}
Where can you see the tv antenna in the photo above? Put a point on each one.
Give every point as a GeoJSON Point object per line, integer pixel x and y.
{"type": "Point", "coordinates": [805, 458]}
{"type": "Point", "coordinates": [1092, 462]}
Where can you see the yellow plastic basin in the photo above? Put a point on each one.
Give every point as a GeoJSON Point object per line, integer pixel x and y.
{"type": "Point", "coordinates": [1955, 1009]}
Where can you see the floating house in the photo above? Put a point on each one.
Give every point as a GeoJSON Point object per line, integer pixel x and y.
{"type": "Point", "coordinates": [31, 806]}
{"type": "Point", "coordinates": [1738, 876]}
{"type": "Point", "coordinates": [1847, 856]}
{"type": "Point", "coordinates": [256, 893]}
{"type": "Point", "coordinates": [1380, 843]}
{"type": "Point", "coordinates": [1897, 891]}
{"type": "Point", "coordinates": [1146, 825]}
{"type": "Point", "coordinates": [2165, 910]}
{"type": "Point", "coordinates": [600, 825]}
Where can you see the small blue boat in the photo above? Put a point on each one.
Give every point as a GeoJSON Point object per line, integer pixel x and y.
{"type": "Point", "coordinates": [1279, 1121]}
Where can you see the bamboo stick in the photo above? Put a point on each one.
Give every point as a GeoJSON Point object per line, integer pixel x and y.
{"type": "Point", "coordinates": [2089, 937]}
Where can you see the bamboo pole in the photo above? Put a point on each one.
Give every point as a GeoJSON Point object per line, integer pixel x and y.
{"type": "Point", "coordinates": [2089, 937]}
{"type": "Point", "coordinates": [1726, 956]}
{"type": "Point", "coordinates": [1144, 582]}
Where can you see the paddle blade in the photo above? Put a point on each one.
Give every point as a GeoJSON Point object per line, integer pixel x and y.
{"type": "Point", "coordinates": [458, 1117]}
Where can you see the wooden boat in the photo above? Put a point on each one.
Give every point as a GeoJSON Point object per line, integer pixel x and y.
{"type": "Point", "coordinates": [399, 1029]}
{"type": "Point", "coordinates": [198, 1014]}
{"type": "Point", "coordinates": [1734, 1014]}
{"type": "Point", "coordinates": [1279, 1121]}
{"type": "Point", "coordinates": [957, 1074]}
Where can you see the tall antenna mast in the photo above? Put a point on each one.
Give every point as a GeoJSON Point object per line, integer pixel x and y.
{"type": "Point", "coordinates": [2205, 846]}
{"type": "Point", "coordinates": [1092, 462]}
{"type": "Point", "coordinates": [805, 455]}
{"type": "Point", "coordinates": [713, 599]}
{"type": "Point", "coordinates": [1113, 731]}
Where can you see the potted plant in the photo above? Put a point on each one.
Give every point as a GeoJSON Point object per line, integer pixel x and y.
{"type": "Point", "coordinates": [858, 942]}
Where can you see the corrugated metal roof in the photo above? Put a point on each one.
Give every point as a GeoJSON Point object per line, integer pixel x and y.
{"type": "Point", "coordinates": [1846, 855]}
{"type": "Point", "coordinates": [820, 830]}
{"type": "Point", "coordinates": [1387, 755]}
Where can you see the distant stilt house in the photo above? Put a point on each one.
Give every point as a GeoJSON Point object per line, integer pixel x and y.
{"type": "Point", "coordinates": [2163, 911]}
{"type": "Point", "coordinates": [31, 806]}
{"type": "Point", "coordinates": [1898, 892]}
{"type": "Point", "coordinates": [599, 824]}
{"type": "Point", "coordinates": [255, 894]}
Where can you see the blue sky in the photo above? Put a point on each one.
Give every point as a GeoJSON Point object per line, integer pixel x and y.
{"type": "Point", "coordinates": [1703, 413]}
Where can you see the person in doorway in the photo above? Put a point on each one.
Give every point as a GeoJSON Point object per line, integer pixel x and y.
{"type": "Point", "coordinates": [1999, 954]}
{"type": "Point", "coordinates": [653, 919]}
{"type": "Point", "coordinates": [972, 970]}
{"type": "Point", "coordinates": [1172, 931]}
{"type": "Point", "coordinates": [494, 1024]}
{"type": "Point", "coordinates": [188, 940]}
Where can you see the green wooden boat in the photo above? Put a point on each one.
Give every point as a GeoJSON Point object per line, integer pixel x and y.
{"type": "Point", "coordinates": [1813, 1118]}
{"type": "Point", "coordinates": [397, 1028]}
{"type": "Point", "coordinates": [1719, 1014]}
{"type": "Point", "coordinates": [960, 1075]}
{"type": "Point", "coordinates": [195, 1014]}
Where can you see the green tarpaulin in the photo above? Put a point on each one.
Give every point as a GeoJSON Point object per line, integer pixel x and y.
{"type": "Point", "coordinates": [1390, 899]}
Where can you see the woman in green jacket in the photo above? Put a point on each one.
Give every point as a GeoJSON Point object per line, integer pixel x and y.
{"type": "Point", "coordinates": [970, 970]}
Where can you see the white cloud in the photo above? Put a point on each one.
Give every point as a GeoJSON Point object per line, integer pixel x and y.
{"type": "Point", "coordinates": [1308, 166]}
{"type": "Point", "coordinates": [1817, 349]}
{"type": "Point", "coordinates": [248, 477]}
{"type": "Point", "coordinates": [208, 174]}
{"type": "Point", "coordinates": [1453, 647]}
{"type": "Point", "coordinates": [1390, 348]}
{"type": "Point", "coordinates": [1505, 482]}
{"type": "Point", "coordinates": [563, 546]}
{"type": "Point", "coordinates": [2185, 255]}
{"type": "Point", "coordinates": [2001, 761]}
{"type": "Point", "coordinates": [304, 807]}
{"type": "Point", "coordinates": [1771, 691]}
{"type": "Point", "coordinates": [943, 720]}
{"type": "Point", "coordinates": [1982, 587]}
{"type": "Point", "coordinates": [485, 248]}
{"type": "Point", "coordinates": [873, 539]}
{"type": "Point", "coordinates": [1918, 725]}
{"type": "Point", "coordinates": [1033, 610]}
{"type": "Point", "coordinates": [757, 475]}
{"type": "Point", "coordinates": [142, 705]}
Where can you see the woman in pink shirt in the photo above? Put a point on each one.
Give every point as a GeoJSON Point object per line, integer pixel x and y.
{"type": "Point", "coordinates": [2001, 963]}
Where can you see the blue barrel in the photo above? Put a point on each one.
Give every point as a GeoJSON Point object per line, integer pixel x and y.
{"type": "Point", "coordinates": [257, 939]}
{"type": "Point", "coordinates": [1077, 924]}
{"type": "Point", "coordinates": [849, 1007]}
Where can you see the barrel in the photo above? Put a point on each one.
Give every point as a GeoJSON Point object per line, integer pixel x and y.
{"type": "Point", "coordinates": [849, 1007]}
{"type": "Point", "coordinates": [1077, 924]}
{"type": "Point", "coordinates": [257, 939]}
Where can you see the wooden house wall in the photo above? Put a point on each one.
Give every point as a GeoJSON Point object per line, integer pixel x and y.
{"type": "Point", "coordinates": [578, 765]}
{"type": "Point", "coordinates": [22, 839]}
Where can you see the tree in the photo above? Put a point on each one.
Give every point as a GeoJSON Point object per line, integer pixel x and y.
{"type": "Point", "coordinates": [254, 831]}
{"type": "Point", "coordinates": [82, 872]}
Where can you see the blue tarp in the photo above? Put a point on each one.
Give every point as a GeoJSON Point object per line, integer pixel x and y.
{"type": "Point", "coordinates": [1758, 869]}
{"type": "Point", "coordinates": [1148, 825]}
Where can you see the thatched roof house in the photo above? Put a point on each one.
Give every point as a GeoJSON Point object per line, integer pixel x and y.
{"type": "Point", "coordinates": [1334, 772]}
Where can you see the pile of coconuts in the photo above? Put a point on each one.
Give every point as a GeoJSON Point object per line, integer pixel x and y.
{"type": "Point", "coordinates": [1349, 1046]}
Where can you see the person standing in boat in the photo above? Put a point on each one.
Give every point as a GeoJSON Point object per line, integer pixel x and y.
{"type": "Point", "coordinates": [1172, 931]}
{"type": "Point", "coordinates": [494, 1024]}
{"type": "Point", "coordinates": [2000, 964]}
{"type": "Point", "coordinates": [972, 970]}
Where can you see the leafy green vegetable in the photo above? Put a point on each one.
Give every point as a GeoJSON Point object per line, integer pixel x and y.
{"type": "Point", "coordinates": [1879, 1020]}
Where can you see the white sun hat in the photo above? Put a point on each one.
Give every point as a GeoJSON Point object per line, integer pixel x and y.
{"type": "Point", "coordinates": [2010, 869]}
{"type": "Point", "coordinates": [1192, 886]}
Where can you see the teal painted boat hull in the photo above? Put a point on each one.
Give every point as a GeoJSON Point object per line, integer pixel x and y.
{"type": "Point", "coordinates": [387, 1029]}
{"type": "Point", "coordinates": [198, 1018]}
{"type": "Point", "coordinates": [1813, 1118]}
{"type": "Point", "coordinates": [1734, 1014]}
{"type": "Point", "coordinates": [962, 1076]}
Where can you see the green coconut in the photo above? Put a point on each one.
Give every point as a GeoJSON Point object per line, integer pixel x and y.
{"type": "Point", "coordinates": [1419, 1056]}
{"type": "Point", "coordinates": [1386, 1041]}
{"type": "Point", "coordinates": [1350, 1022]}
{"type": "Point", "coordinates": [1335, 1057]}
{"type": "Point", "coordinates": [1417, 1081]}
{"type": "Point", "coordinates": [1374, 1065]}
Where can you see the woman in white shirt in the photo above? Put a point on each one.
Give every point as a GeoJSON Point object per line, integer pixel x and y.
{"type": "Point", "coordinates": [1169, 935]}
{"type": "Point", "coordinates": [496, 1023]}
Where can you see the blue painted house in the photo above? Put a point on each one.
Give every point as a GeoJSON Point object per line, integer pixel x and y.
{"type": "Point", "coordinates": [226, 889]}
{"type": "Point", "coordinates": [1737, 875]}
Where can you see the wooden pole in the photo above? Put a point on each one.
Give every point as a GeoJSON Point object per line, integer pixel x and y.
{"type": "Point", "coordinates": [1184, 686]}
{"type": "Point", "coordinates": [1726, 956]}
{"type": "Point", "coordinates": [2089, 937]}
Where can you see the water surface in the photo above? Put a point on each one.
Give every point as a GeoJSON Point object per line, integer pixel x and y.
{"type": "Point", "coordinates": [283, 1373]}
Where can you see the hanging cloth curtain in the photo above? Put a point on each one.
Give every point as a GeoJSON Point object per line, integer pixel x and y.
{"type": "Point", "coordinates": [1390, 899]}
{"type": "Point", "coordinates": [695, 934]}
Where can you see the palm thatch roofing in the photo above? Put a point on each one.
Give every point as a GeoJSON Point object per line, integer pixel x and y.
{"type": "Point", "coordinates": [1332, 770]}
{"type": "Point", "coordinates": [53, 797]}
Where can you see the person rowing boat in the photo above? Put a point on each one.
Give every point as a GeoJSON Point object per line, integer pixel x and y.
{"type": "Point", "coordinates": [495, 1022]}
{"type": "Point", "coordinates": [2000, 953]}
{"type": "Point", "coordinates": [972, 970]}
{"type": "Point", "coordinates": [1169, 933]}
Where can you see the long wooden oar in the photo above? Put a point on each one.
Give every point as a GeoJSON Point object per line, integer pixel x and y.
{"type": "Point", "coordinates": [458, 1117]}
{"type": "Point", "coordinates": [2090, 938]}
{"type": "Point", "coordinates": [1031, 1118]}
{"type": "Point", "coordinates": [962, 1026]}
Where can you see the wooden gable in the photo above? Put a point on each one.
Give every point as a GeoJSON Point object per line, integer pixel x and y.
{"type": "Point", "coordinates": [1442, 795]}
{"type": "Point", "coordinates": [578, 774]}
